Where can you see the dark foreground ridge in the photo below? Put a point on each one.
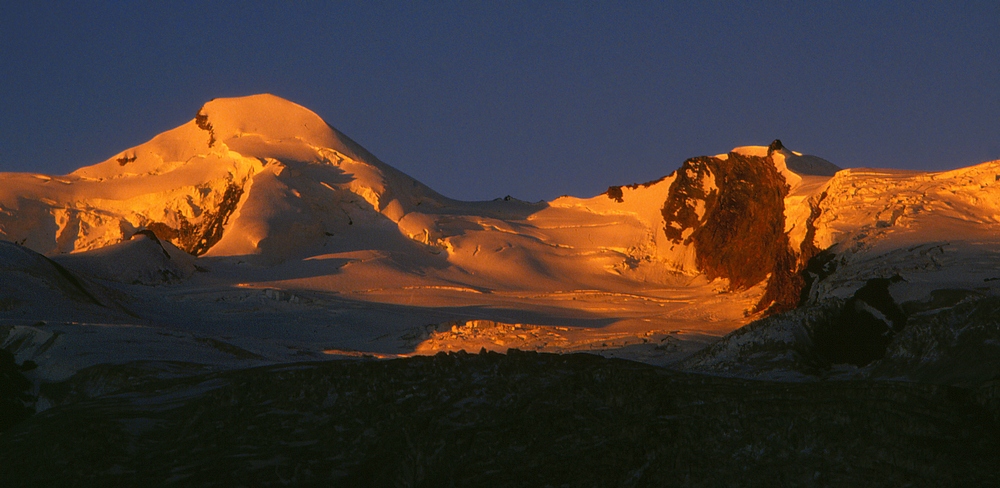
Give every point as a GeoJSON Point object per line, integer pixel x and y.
{"type": "Point", "coordinates": [500, 420]}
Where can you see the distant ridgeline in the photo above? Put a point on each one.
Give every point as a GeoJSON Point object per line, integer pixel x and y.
{"type": "Point", "coordinates": [265, 180]}
{"type": "Point", "coordinates": [285, 185]}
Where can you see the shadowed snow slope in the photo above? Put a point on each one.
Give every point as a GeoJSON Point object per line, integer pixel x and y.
{"type": "Point", "coordinates": [298, 242]}
{"type": "Point", "coordinates": [33, 286]}
{"type": "Point", "coordinates": [143, 259]}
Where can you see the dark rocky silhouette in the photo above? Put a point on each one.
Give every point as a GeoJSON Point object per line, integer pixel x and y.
{"type": "Point", "coordinates": [202, 121]}
{"type": "Point", "coordinates": [14, 387]}
{"type": "Point", "coordinates": [615, 193]}
{"type": "Point", "coordinates": [122, 161]}
{"type": "Point", "coordinates": [862, 330]}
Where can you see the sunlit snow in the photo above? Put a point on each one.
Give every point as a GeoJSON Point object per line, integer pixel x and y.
{"type": "Point", "coordinates": [309, 246]}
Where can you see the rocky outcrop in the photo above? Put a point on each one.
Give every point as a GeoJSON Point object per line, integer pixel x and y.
{"type": "Point", "coordinates": [201, 120]}
{"type": "Point", "coordinates": [615, 193]}
{"type": "Point", "coordinates": [731, 210]}
{"type": "Point", "coordinates": [197, 239]}
{"type": "Point", "coordinates": [863, 328]}
{"type": "Point", "coordinates": [951, 337]}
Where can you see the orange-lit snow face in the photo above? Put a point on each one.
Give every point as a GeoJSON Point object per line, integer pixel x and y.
{"type": "Point", "coordinates": [289, 218]}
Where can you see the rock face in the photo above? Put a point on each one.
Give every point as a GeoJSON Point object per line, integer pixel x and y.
{"type": "Point", "coordinates": [197, 239]}
{"type": "Point", "coordinates": [861, 331]}
{"type": "Point", "coordinates": [732, 210]}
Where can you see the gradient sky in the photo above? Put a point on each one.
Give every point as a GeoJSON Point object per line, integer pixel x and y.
{"type": "Point", "coordinates": [534, 99]}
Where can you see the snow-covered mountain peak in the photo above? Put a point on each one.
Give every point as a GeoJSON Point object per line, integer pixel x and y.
{"type": "Point", "coordinates": [256, 126]}
{"type": "Point", "coordinates": [241, 168]}
{"type": "Point", "coordinates": [260, 125]}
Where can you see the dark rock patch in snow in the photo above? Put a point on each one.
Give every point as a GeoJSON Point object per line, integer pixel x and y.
{"type": "Point", "coordinates": [938, 299]}
{"type": "Point", "coordinates": [818, 268]}
{"type": "Point", "coordinates": [951, 337]}
{"type": "Point", "coordinates": [688, 189]}
{"type": "Point", "coordinates": [198, 239]}
{"type": "Point", "coordinates": [775, 145]}
{"type": "Point", "coordinates": [615, 193]}
{"type": "Point", "coordinates": [862, 330]}
{"type": "Point", "coordinates": [125, 159]}
{"type": "Point", "coordinates": [202, 121]}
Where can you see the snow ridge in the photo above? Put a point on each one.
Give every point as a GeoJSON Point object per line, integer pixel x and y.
{"type": "Point", "coordinates": [257, 210]}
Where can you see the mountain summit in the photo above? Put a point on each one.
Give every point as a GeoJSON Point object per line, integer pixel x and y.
{"type": "Point", "coordinates": [258, 126]}
{"type": "Point", "coordinates": [242, 177]}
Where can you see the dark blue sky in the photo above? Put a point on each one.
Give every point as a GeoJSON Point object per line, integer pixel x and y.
{"type": "Point", "coordinates": [532, 99]}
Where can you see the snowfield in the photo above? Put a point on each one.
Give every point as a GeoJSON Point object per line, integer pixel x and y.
{"type": "Point", "coordinates": [258, 234]}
